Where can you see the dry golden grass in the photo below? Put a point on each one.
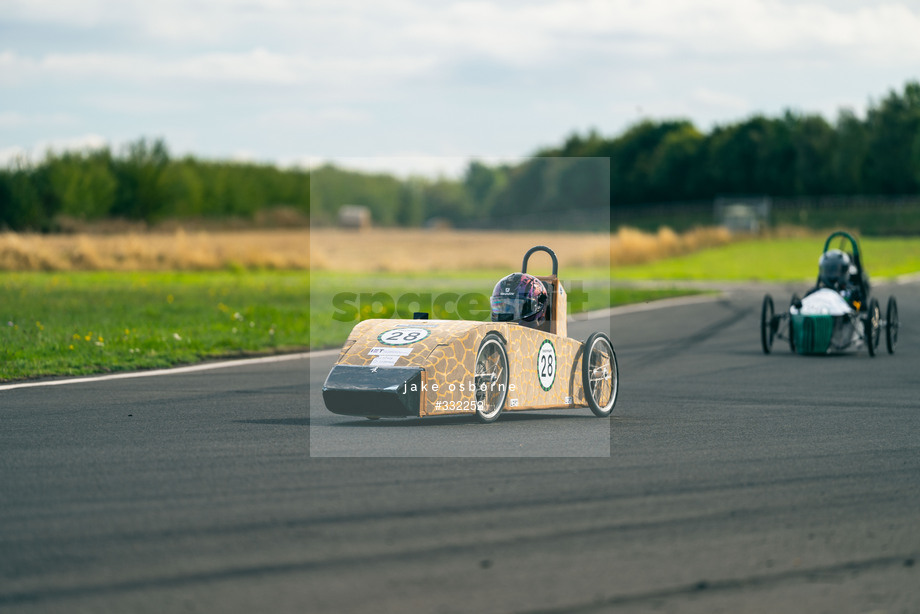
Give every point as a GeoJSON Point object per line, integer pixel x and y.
{"type": "Point", "coordinates": [156, 251]}
{"type": "Point", "coordinates": [631, 246]}
{"type": "Point", "coordinates": [414, 250]}
{"type": "Point", "coordinates": [382, 249]}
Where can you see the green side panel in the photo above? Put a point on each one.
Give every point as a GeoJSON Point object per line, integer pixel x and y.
{"type": "Point", "coordinates": [812, 333]}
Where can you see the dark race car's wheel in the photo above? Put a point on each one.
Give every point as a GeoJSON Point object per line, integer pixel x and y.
{"type": "Point", "coordinates": [491, 378]}
{"type": "Point", "coordinates": [872, 324]}
{"type": "Point", "coordinates": [767, 328]}
{"type": "Point", "coordinates": [798, 302]}
{"type": "Point", "coordinates": [892, 324]}
{"type": "Point", "coordinates": [599, 374]}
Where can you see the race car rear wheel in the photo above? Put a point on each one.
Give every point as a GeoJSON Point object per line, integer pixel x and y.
{"type": "Point", "coordinates": [872, 325]}
{"type": "Point", "coordinates": [767, 329]}
{"type": "Point", "coordinates": [798, 303]}
{"type": "Point", "coordinates": [600, 375]}
{"type": "Point", "coordinates": [892, 324]}
{"type": "Point", "coordinates": [491, 378]}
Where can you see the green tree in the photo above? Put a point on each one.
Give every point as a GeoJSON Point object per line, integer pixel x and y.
{"type": "Point", "coordinates": [675, 165]}
{"type": "Point", "coordinates": [21, 205]}
{"type": "Point", "coordinates": [448, 200]}
{"type": "Point", "coordinates": [893, 128]}
{"type": "Point", "coordinates": [138, 174]}
{"type": "Point", "coordinates": [181, 186]}
{"type": "Point", "coordinates": [849, 154]}
{"type": "Point", "coordinates": [83, 183]}
{"type": "Point", "coordinates": [814, 143]}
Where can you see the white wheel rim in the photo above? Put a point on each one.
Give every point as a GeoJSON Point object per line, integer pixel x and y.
{"type": "Point", "coordinates": [491, 371]}
{"type": "Point", "coordinates": [602, 376]}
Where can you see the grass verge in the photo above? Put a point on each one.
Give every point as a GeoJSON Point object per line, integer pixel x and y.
{"type": "Point", "coordinates": [92, 322]}
{"type": "Point", "coordinates": [340, 300]}
{"type": "Point", "coordinates": [790, 259]}
{"type": "Point", "coordinates": [78, 323]}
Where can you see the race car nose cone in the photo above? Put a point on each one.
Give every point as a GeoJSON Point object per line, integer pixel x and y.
{"type": "Point", "coordinates": [391, 392]}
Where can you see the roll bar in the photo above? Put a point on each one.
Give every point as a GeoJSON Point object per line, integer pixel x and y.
{"type": "Point", "coordinates": [541, 248]}
{"type": "Point", "coordinates": [863, 276]}
{"type": "Point", "coordinates": [853, 244]}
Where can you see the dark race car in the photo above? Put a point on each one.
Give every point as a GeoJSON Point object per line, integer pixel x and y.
{"type": "Point", "coordinates": [838, 313]}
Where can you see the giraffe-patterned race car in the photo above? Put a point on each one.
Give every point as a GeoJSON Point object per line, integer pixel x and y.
{"type": "Point", "coordinates": [521, 360]}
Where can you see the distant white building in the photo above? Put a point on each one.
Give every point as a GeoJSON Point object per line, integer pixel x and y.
{"type": "Point", "coordinates": [354, 216]}
{"type": "Point", "coordinates": [742, 214]}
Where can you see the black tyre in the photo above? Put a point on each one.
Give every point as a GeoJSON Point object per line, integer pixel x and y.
{"type": "Point", "coordinates": [872, 326]}
{"type": "Point", "coordinates": [491, 378]}
{"type": "Point", "coordinates": [795, 301]}
{"type": "Point", "coordinates": [892, 324]}
{"type": "Point", "coordinates": [767, 326]}
{"type": "Point", "coordinates": [599, 374]}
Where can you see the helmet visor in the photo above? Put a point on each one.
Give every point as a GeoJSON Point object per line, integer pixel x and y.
{"type": "Point", "coordinates": [506, 309]}
{"type": "Point", "coordinates": [833, 271]}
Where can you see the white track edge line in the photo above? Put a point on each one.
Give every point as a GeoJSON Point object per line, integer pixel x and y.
{"type": "Point", "coordinates": [174, 371]}
{"type": "Point", "coordinates": [592, 315]}
{"type": "Point", "coordinates": [677, 301]}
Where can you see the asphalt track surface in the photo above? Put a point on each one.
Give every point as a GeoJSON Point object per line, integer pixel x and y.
{"type": "Point", "coordinates": [729, 481]}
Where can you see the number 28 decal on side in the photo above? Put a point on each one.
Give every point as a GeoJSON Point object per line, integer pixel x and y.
{"type": "Point", "coordinates": [546, 364]}
{"type": "Point", "coordinates": [403, 336]}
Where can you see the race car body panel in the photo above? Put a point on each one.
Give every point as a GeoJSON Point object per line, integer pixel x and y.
{"type": "Point", "coordinates": [824, 322]}
{"type": "Point", "coordinates": [391, 367]}
{"type": "Point", "coordinates": [823, 302]}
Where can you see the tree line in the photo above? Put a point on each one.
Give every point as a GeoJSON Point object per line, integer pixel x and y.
{"type": "Point", "coordinates": [142, 183]}
{"type": "Point", "coordinates": [793, 155]}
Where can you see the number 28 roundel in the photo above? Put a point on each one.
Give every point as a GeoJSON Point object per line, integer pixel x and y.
{"type": "Point", "coordinates": [403, 336]}
{"type": "Point", "coordinates": [546, 364]}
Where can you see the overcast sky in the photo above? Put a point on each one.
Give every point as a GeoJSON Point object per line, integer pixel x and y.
{"type": "Point", "coordinates": [425, 85]}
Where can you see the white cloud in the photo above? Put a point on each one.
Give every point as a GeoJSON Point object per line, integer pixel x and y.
{"type": "Point", "coordinates": [519, 32]}
{"type": "Point", "coordinates": [80, 13]}
{"type": "Point", "coordinates": [725, 102]}
{"type": "Point", "coordinates": [533, 33]}
{"type": "Point", "coordinates": [461, 74]}
{"type": "Point", "coordinates": [37, 152]}
{"type": "Point", "coordinates": [14, 119]}
{"type": "Point", "coordinates": [140, 104]}
{"type": "Point", "coordinates": [400, 164]}
{"type": "Point", "coordinates": [285, 42]}
{"type": "Point", "coordinates": [10, 155]}
{"type": "Point", "coordinates": [257, 66]}
{"type": "Point", "coordinates": [300, 118]}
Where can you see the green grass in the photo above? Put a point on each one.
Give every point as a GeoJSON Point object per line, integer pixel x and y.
{"type": "Point", "coordinates": [92, 322]}
{"type": "Point", "coordinates": [340, 300]}
{"type": "Point", "coordinates": [776, 260]}
{"type": "Point", "coordinates": [78, 323]}
{"type": "Point", "coordinates": [97, 322]}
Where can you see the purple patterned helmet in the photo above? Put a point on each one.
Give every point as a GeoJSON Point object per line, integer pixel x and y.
{"type": "Point", "coordinates": [521, 298]}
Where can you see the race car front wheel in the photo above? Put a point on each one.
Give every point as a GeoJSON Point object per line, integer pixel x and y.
{"type": "Point", "coordinates": [600, 376]}
{"type": "Point", "coordinates": [891, 324]}
{"type": "Point", "coordinates": [797, 302]}
{"type": "Point", "coordinates": [491, 378]}
{"type": "Point", "coordinates": [767, 328]}
{"type": "Point", "coordinates": [873, 326]}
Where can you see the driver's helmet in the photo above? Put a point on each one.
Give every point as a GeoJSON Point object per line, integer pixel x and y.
{"type": "Point", "coordinates": [835, 268]}
{"type": "Point", "coordinates": [521, 298]}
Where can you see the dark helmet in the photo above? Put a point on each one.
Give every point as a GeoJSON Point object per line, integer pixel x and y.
{"type": "Point", "coordinates": [521, 298]}
{"type": "Point", "coordinates": [834, 268]}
